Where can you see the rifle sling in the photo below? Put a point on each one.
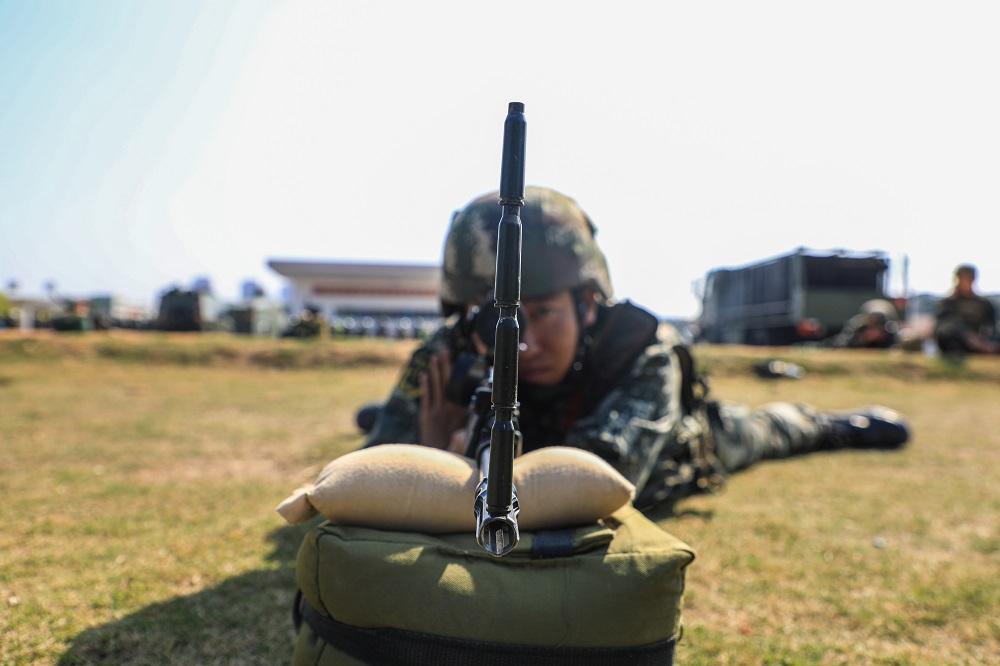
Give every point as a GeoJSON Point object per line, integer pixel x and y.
{"type": "Point", "coordinates": [397, 647]}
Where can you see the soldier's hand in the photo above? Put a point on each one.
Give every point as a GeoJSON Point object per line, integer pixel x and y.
{"type": "Point", "coordinates": [981, 344]}
{"type": "Point", "coordinates": [439, 418]}
{"type": "Point", "coordinates": [458, 441]}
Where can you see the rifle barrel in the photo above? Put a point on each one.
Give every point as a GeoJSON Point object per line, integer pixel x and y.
{"type": "Point", "coordinates": [496, 504]}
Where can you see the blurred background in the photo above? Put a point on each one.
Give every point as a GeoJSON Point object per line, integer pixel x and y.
{"type": "Point", "coordinates": [186, 145]}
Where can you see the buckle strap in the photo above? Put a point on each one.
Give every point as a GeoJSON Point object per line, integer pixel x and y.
{"type": "Point", "coordinates": [397, 647]}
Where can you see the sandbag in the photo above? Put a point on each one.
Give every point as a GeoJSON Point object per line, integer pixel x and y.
{"type": "Point", "coordinates": [393, 486]}
{"type": "Point", "coordinates": [561, 486]}
{"type": "Point", "coordinates": [607, 593]}
{"type": "Point", "coordinates": [416, 488]}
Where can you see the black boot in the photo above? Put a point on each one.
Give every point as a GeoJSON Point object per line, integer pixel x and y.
{"type": "Point", "coordinates": [870, 428]}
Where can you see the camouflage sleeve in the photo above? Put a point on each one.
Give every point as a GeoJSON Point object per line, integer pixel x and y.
{"type": "Point", "coordinates": [627, 428]}
{"type": "Point", "coordinates": [991, 319]}
{"type": "Point", "coordinates": [945, 309]}
{"type": "Point", "coordinates": [399, 419]}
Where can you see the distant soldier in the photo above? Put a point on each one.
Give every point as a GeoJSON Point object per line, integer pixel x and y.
{"type": "Point", "coordinates": [966, 322]}
{"type": "Point", "coordinates": [595, 374]}
{"type": "Point", "coordinates": [309, 324]}
{"type": "Point", "coordinates": [874, 327]}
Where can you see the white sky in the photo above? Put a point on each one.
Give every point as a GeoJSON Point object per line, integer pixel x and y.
{"type": "Point", "coordinates": [694, 134]}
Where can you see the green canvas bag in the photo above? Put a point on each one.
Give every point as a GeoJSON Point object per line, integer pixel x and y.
{"type": "Point", "coordinates": [608, 593]}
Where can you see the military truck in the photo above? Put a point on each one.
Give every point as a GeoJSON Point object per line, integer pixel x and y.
{"type": "Point", "coordinates": [257, 316]}
{"type": "Point", "coordinates": [802, 296]}
{"type": "Point", "coordinates": [182, 310]}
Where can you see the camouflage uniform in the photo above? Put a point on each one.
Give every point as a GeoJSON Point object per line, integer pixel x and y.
{"type": "Point", "coordinates": [874, 327]}
{"type": "Point", "coordinates": [631, 397]}
{"type": "Point", "coordinates": [958, 315]}
{"type": "Point", "coordinates": [632, 414]}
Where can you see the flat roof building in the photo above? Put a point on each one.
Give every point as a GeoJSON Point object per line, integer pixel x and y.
{"type": "Point", "coordinates": [27, 308]}
{"type": "Point", "coordinates": [340, 288]}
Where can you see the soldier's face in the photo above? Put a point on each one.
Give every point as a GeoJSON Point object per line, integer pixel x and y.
{"type": "Point", "coordinates": [964, 284]}
{"type": "Point", "coordinates": [549, 336]}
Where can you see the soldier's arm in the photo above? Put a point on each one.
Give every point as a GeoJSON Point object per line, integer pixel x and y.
{"type": "Point", "coordinates": [991, 319]}
{"type": "Point", "coordinates": [396, 422]}
{"type": "Point", "coordinates": [399, 419]}
{"type": "Point", "coordinates": [619, 430]}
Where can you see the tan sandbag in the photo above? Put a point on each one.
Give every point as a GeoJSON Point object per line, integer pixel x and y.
{"type": "Point", "coordinates": [560, 486]}
{"type": "Point", "coordinates": [296, 508]}
{"type": "Point", "coordinates": [419, 489]}
{"type": "Point", "coordinates": [393, 487]}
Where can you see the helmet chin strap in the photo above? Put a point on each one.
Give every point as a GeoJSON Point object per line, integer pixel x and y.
{"type": "Point", "coordinates": [584, 339]}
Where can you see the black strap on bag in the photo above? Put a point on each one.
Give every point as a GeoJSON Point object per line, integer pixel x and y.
{"type": "Point", "coordinates": [396, 647]}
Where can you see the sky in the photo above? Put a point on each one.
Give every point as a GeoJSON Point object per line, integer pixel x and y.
{"type": "Point", "coordinates": [146, 144]}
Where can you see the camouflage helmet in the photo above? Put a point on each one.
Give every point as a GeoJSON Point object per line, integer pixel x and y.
{"type": "Point", "coordinates": [558, 249]}
{"type": "Point", "coordinates": [881, 307]}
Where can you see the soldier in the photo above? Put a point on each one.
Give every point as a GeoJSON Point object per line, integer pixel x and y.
{"type": "Point", "coordinates": [309, 324]}
{"type": "Point", "coordinates": [966, 322]}
{"type": "Point", "coordinates": [875, 327]}
{"type": "Point", "coordinates": [595, 374]}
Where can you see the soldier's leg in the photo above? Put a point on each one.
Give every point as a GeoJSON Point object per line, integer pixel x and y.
{"type": "Point", "coordinates": [744, 436]}
{"type": "Point", "coordinates": [951, 343]}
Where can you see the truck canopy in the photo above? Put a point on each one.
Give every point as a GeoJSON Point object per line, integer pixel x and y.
{"type": "Point", "coordinates": [803, 295]}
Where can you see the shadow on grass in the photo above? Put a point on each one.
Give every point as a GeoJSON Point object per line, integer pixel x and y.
{"type": "Point", "coordinates": [245, 619]}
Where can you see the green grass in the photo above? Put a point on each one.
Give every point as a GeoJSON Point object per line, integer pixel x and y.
{"type": "Point", "coordinates": [139, 474]}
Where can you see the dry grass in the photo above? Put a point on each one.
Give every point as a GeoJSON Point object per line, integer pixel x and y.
{"type": "Point", "coordinates": [855, 557]}
{"type": "Point", "coordinates": [139, 473]}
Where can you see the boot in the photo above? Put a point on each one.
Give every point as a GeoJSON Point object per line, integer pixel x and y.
{"type": "Point", "coordinates": [874, 427]}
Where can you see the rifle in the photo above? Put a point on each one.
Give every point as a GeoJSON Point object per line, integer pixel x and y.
{"type": "Point", "coordinates": [495, 402]}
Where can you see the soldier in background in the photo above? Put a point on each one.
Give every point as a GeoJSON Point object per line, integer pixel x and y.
{"type": "Point", "coordinates": [875, 327]}
{"type": "Point", "coordinates": [966, 322]}
{"type": "Point", "coordinates": [595, 374]}
{"type": "Point", "coordinates": [309, 324]}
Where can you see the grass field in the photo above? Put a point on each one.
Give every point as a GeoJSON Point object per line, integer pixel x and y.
{"type": "Point", "coordinates": [138, 477]}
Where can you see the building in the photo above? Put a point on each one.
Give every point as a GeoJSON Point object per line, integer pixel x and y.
{"type": "Point", "coordinates": [29, 311]}
{"type": "Point", "coordinates": [351, 289]}
{"type": "Point", "coordinates": [118, 312]}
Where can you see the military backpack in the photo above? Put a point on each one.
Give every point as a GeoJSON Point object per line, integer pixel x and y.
{"type": "Point", "coordinates": [608, 593]}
